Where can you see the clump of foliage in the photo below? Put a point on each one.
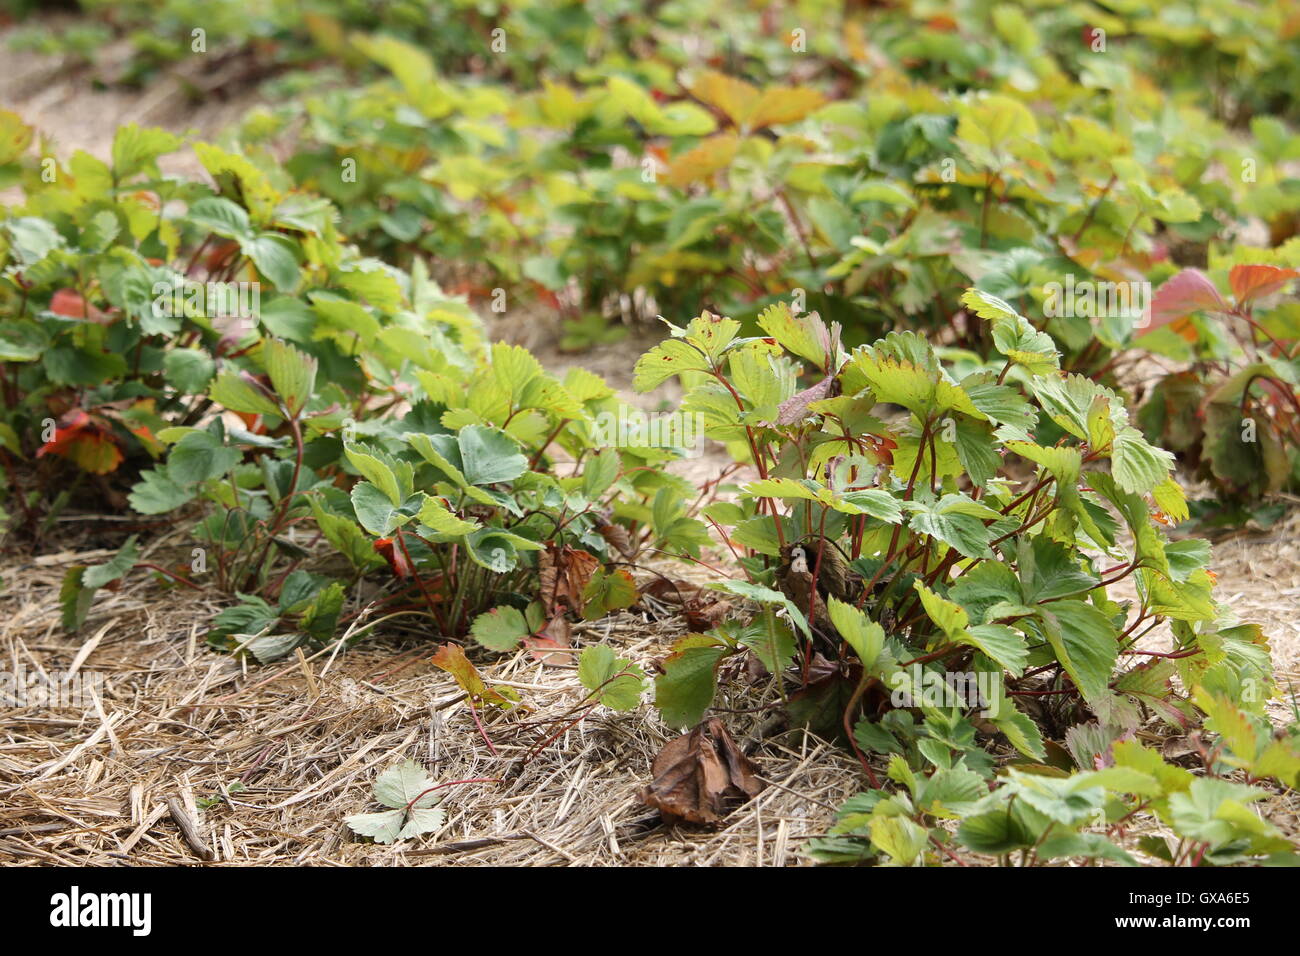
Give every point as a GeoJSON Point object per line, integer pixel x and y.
{"type": "Point", "coordinates": [976, 535]}
{"type": "Point", "coordinates": [128, 295]}
{"type": "Point", "coordinates": [1235, 410]}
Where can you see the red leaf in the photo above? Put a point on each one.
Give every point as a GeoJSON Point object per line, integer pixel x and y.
{"type": "Point", "coordinates": [87, 441]}
{"type": "Point", "coordinates": [1189, 291]}
{"type": "Point", "coordinates": [1252, 282]}
{"type": "Point", "coordinates": [73, 304]}
{"type": "Point", "coordinates": [394, 556]}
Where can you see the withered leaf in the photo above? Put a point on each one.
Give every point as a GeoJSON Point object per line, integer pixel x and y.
{"type": "Point", "coordinates": [702, 608]}
{"type": "Point", "coordinates": [563, 574]}
{"type": "Point", "coordinates": [550, 643]}
{"type": "Point", "coordinates": [698, 776]}
{"type": "Point", "coordinates": [617, 536]}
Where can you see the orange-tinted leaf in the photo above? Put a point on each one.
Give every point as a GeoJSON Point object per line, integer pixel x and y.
{"type": "Point", "coordinates": [15, 137]}
{"type": "Point", "coordinates": [220, 254]}
{"type": "Point", "coordinates": [784, 105]}
{"type": "Point", "coordinates": [735, 98]}
{"type": "Point", "coordinates": [1252, 282]}
{"type": "Point", "coordinates": [549, 645]}
{"type": "Point", "coordinates": [712, 155]}
{"type": "Point", "coordinates": [73, 304]}
{"type": "Point", "coordinates": [85, 440]}
{"type": "Point", "coordinates": [452, 659]}
{"type": "Point", "coordinates": [387, 547]}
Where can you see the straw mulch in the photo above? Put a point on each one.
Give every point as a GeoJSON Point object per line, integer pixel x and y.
{"type": "Point", "coordinates": [280, 754]}
{"type": "Point", "coordinates": [292, 748]}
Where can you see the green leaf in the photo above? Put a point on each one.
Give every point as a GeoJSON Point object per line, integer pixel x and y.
{"type": "Point", "coordinates": [999, 643]}
{"type": "Point", "coordinates": [997, 832]}
{"type": "Point", "coordinates": [200, 455]}
{"type": "Point", "coordinates": [74, 599]}
{"type": "Point", "coordinates": [1070, 401]}
{"type": "Point", "coordinates": [136, 150]}
{"type": "Point", "coordinates": [292, 374]}
{"type": "Point", "coordinates": [865, 636]}
{"type": "Point", "coordinates": [500, 629]}
{"type": "Point", "coordinates": [1088, 845]}
{"type": "Point", "coordinates": [1058, 799]}
{"type": "Point", "coordinates": [685, 689]}
{"type": "Point", "coordinates": [436, 515]}
{"type": "Point", "coordinates": [375, 510]}
{"type": "Point", "coordinates": [113, 569]}
{"type": "Point", "coordinates": [393, 825]}
{"type": "Point", "coordinates": [614, 681]}
{"type": "Point", "coordinates": [376, 471]}
{"type": "Point", "coordinates": [219, 215]}
{"type": "Point", "coordinates": [157, 493]}
{"type": "Point", "coordinates": [1014, 335]}
{"type": "Point", "coordinates": [489, 455]}
{"type": "Point", "coordinates": [1049, 571]}
{"type": "Point", "coordinates": [900, 838]}
{"type": "Point", "coordinates": [346, 537]}
{"type": "Point", "coordinates": [607, 591]}
{"type": "Point", "coordinates": [804, 335]}
{"type": "Point", "coordinates": [32, 238]}
{"type": "Point", "coordinates": [1138, 467]}
{"type": "Point", "coordinates": [956, 520]}
{"type": "Point", "coordinates": [977, 450]}
{"type": "Point", "coordinates": [497, 550]}
{"type": "Point", "coordinates": [404, 788]}
{"type": "Point", "coordinates": [1216, 811]}
{"type": "Point", "coordinates": [993, 129]}
{"type": "Point", "coordinates": [1084, 640]}
{"type": "Point", "coordinates": [68, 365]}
{"type": "Point", "coordinates": [599, 473]}
{"type": "Point", "coordinates": [1021, 730]}
{"type": "Point", "coordinates": [188, 370]}
{"type": "Point", "coordinates": [232, 391]}
{"type": "Point", "coordinates": [276, 258]}
{"type": "Point", "coordinates": [756, 592]}
{"type": "Point", "coordinates": [668, 358]}
{"type": "Point", "coordinates": [771, 640]}
{"type": "Point", "coordinates": [77, 592]}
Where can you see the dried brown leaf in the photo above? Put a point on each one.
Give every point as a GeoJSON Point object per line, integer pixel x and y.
{"type": "Point", "coordinates": [699, 775]}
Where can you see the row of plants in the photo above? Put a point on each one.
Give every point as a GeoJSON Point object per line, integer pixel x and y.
{"type": "Point", "coordinates": [354, 399]}
{"type": "Point", "coordinates": [979, 536]}
{"type": "Point", "coordinates": [876, 210]}
{"type": "Point", "coordinates": [1243, 49]}
{"type": "Point", "coordinates": [871, 174]}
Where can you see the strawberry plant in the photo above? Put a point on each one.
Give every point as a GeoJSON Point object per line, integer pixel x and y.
{"type": "Point", "coordinates": [457, 501]}
{"type": "Point", "coordinates": [971, 539]}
